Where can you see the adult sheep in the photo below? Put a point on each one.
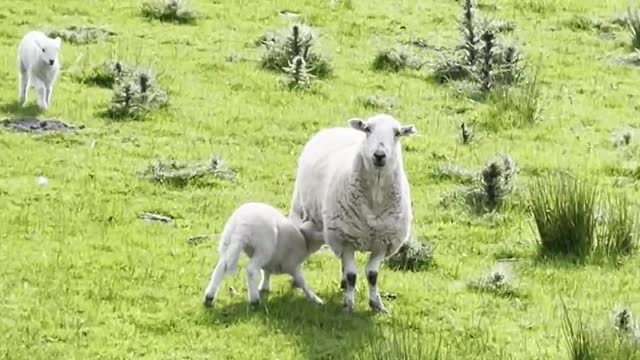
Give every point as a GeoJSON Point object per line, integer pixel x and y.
{"type": "Point", "coordinates": [351, 183]}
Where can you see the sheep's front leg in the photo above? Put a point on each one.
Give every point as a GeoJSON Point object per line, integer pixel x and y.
{"type": "Point", "coordinates": [373, 265]}
{"type": "Point", "coordinates": [49, 91]}
{"type": "Point", "coordinates": [349, 266]}
{"type": "Point", "coordinates": [299, 281]}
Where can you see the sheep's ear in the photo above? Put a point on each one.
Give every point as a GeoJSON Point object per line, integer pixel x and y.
{"type": "Point", "coordinates": [358, 124]}
{"type": "Point", "coordinates": [58, 42]}
{"type": "Point", "coordinates": [408, 130]}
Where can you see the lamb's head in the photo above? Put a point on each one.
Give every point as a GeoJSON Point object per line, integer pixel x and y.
{"type": "Point", "coordinates": [49, 50]}
{"type": "Point", "coordinates": [381, 147]}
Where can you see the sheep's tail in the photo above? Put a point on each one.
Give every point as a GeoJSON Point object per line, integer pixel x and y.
{"type": "Point", "coordinates": [230, 249]}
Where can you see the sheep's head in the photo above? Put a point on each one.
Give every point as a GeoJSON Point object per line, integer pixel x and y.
{"type": "Point", "coordinates": [49, 50]}
{"type": "Point", "coordinates": [382, 144]}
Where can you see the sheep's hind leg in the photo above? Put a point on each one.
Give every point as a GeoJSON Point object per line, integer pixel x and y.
{"type": "Point", "coordinates": [349, 266]}
{"type": "Point", "coordinates": [373, 265]}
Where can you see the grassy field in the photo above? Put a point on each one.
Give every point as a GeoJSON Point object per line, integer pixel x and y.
{"type": "Point", "coordinates": [84, 277]}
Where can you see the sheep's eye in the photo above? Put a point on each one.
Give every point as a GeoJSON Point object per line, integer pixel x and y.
{"type": "Point", "coordinates": [43, 50]}
{"type": "Point", "coordinates": [367, 130]}
{"type": "Point", "coordinates": [396, 132]}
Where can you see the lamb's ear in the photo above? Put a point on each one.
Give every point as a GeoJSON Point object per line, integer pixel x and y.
{"type": "Point", "coordinates": [310, 233]}
{"type": "Point", "coordinates": [358, 124]}
{"type": "Point", "coordinates": [408, 130]}
{"type": "Point", "coordinates": [58, 42]}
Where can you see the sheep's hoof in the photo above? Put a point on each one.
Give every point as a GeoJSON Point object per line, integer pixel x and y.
{"type": "Point", "coordinates": [254, 304]}
{"type": "Point", "coordinates": [208, 301]}
{"type": "Point", "coordinates": [348, 306]}
{"type": "Point", "coordinates": [377, 306]}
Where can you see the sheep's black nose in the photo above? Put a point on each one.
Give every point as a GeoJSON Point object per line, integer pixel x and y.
{"type": "Point", "coordinates": [378, 158]}
{"type": "Point", "coordinates": [51, 62]}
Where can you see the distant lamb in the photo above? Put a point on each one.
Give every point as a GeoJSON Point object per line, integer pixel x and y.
{"type": "Point", "coordinates": [38, 63]}
{"type": "Point", "coordinates": [273, 244]}
{"type": "Point", "coordinates": [351, 183]}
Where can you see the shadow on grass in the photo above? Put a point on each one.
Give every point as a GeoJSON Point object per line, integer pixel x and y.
{"type": "Point", "coordinates": [320, 331]}
{"type": "Point", "coordinates": [14, 108]}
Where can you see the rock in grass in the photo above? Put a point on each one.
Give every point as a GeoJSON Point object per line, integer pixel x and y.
{"type": "Point", "coordinates": [35, 125]}
{"type": "Point", "coordinates": [414, 255]}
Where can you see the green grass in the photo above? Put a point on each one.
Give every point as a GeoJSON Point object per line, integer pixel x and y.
{"type": "Point", "coordinates": [84, 277]}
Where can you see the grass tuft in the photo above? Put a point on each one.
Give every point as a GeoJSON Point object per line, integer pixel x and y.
{"type": "Point", "coordinates": [516, 107]}
{"type": "Point", "coordinates": [177, 11]}
{"type": "Point", "coordinates": [566, 212]}
{"type": "Point", "coordinates": [399, 343]}
{"type": "Point", "coordinates": [633, 25]}
{"type": "Point", "coordinates": [182, 174]}
{"type": "Point", "coordinates": [377, 102]}
{"type": "Point", "coordinates": [81, 34]}
{"type": "Point", "coordinates": [586, 342]}
{"type": "Point", "coordinates": [396, 59]}
{"type": "Point", "coordinates": [498, 281]}
{"type": "Point", "coordinates": [414, 255]}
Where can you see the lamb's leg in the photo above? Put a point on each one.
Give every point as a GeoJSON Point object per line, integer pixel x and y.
{"type": "Point", "coordinates": [49, 91]}
{"type": "Point", "coordinates": [216, 278]}
{"type": "Point", "coordinates": [253, 281]}
{"type": "Point", "coordinates": [24, 84]}
{"type": "Point", "coordinates": [266, 281]}
{"type": "Point", "coordinates": [300, 282]}
{"type": "Point", "coordinates": [41, 92]}
{"type": "Point", "coordinates": [373, 265]}
{"type": "Point", "coordinates": [349, 266]}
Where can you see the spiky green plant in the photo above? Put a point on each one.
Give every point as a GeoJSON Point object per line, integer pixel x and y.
{"type": "Point", "coordinates": [299, 76]}
{"type": "Point", "coordinates": [498, 281]}
{"type": "Point", "coordinates": [498, 179]}
{"type": "Point", "coordinates": [135, 94]}
{"type": "Point", "coordinates": [281, 48]}
{"type": "Point", "coordinates": [486, 70]}
{"type": "Point", "coordinates": [467, 26]}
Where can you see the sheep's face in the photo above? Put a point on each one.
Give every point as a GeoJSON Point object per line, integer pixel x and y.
{"type": "Point", "coordinates": [382, 144]}
{"type": "Point", "coordinates": [49, 50]}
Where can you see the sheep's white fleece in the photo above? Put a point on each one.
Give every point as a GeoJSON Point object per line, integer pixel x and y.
{"type": "Point", "coordinates": [332, 189]}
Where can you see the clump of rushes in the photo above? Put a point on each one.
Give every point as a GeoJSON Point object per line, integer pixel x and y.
{"type": "Point", "coordinates": [633, 25]}
{"type": "Point", "coordinates": [414, 255]}
{"type": "Point", "coordinates": [498, 281]}
{"type": "Point", "coordinates": [396, 59]}
{"type": "Point", "coordinates": [81, 34]}
{"type": "Point", "coordinates": [182, 174]}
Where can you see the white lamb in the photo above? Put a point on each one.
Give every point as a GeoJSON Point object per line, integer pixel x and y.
{"type": "Point", "coordinates": [273, 244]}
{"type": "Point", "coordinates": [38, 63]}
{"type": "Point", "coordinates": [351, 183]}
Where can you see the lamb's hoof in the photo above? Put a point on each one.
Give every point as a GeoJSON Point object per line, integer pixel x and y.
{"type": "Point", "coordinates": [265, 291]}
{"type": "Point", "coordinates": [208, 301]}
{"type": "Point", "coordinates": [377, 306]}
{"type": "Point", "coordinates": [318, 301]}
